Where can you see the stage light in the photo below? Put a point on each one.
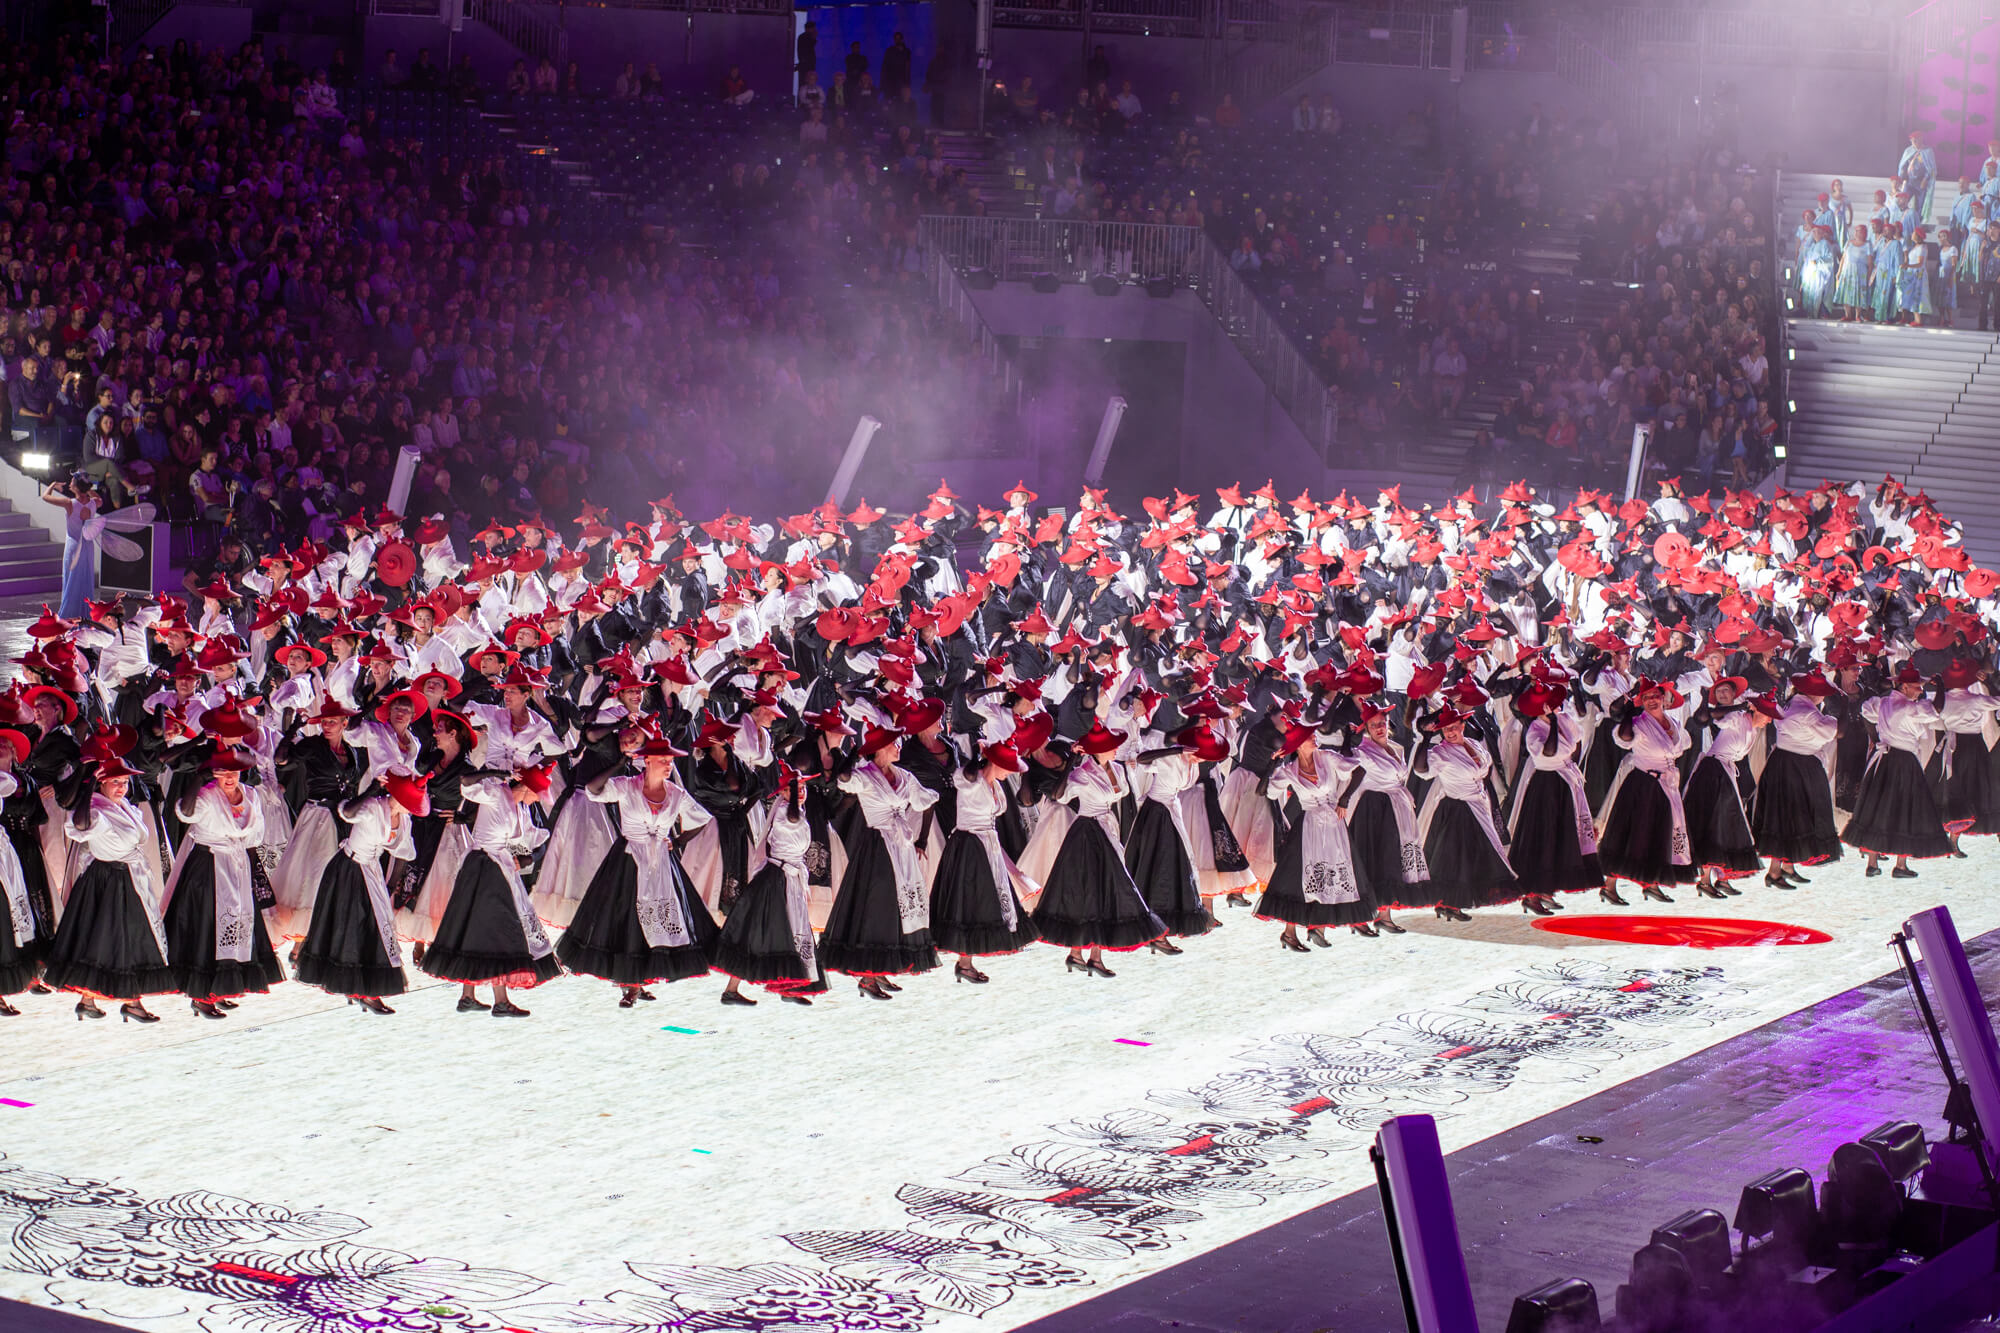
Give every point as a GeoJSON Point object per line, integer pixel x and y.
{"type": "Point", "coordinates": [1048, 284]}
{"type": "Point", "coordinates": [1861, 1206]}
{"type": "Point", "coordinates": [1901, 1148]}
{"type": "Point", "coordinates": [1791, 404]}
{"type": "Point", "coordinates": [1567, 1305]}
{"type": "Point", "coordinates": [1779, 453]}
{"type": "Point", "coordinates": [35, 462]}
{"type": "Point", "coordinates": [980, 279]}
{"type": "Point", "coordinates": [1105, 285]}
{"type": "Point", "coordinates": [1701, 1237]}
{"type": "Point", "coordinates": [1659, 1298]}
{"type": "Point", "coordinates": [1778, 1208]}
{"type": "Point", "coordinates": [1791, 354]}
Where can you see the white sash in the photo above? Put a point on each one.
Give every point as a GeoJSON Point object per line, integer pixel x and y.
{"type": "Point", "coordinates": [659, 897]}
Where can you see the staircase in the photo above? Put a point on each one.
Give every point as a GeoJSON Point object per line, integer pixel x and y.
{"type": "Point", "coordinates": [1921, 405]}
{"type": "Point", "coordinates": [30, 561]}
{"type": "Point", "coordinates": [1801, 190]}
{"type": "Point", "coordinates": [998, 184]}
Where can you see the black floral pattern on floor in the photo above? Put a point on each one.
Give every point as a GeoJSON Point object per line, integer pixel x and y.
{"type": "Point", "coordinates": [1092, 1192]}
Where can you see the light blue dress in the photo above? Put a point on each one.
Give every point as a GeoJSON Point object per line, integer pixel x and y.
{"type": "Point", "coordinates": [79, 563]}
{"type": "Point", "coordinates": [1888, 273]}
{"type": "Point", "coordinates": [1850, 289]}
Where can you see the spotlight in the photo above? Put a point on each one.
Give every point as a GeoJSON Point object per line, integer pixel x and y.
{"type": "Point", "coordinates": [1862, 1205]}
{"type": "Point", "coordinates": [35, 462]}
{"type": "Point", "coordinates": [1568, 1305]}
{"type": "Point", "coordinates": [980, 279]}
{"type": "Point", "coordinates": [1778, 1210]}
{"type": "Point", "coordinates": [1660, 1297]}
{"type": "Point", "coordinates": [1901, 1148]}
{"type": "Point", "coordinates": [1160, 287]}
{"type": "Point", "coordinates": [1105, 285]}
{"type": "Point", "coordinates": [1048, 284]}
{"type": "Point", "coordinates": [1701, 1237]}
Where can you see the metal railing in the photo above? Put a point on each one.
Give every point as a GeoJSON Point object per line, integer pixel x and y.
{"type": "Point", "coordinates": [774, 7]}
{"type": "Point", "coordinates": [948, 290]}
{"type": "Point", "coordinates": [1283, 44]}
{"type": "Point", "coordinates": [1018, 249]}
{"type": "Point", "coordinates": [1780, 356]}
{"type": "Point", "coordinates": [1583, 64]}
{"type": "Point", "coordinates": [1745, 34]}
{"type": "Point", "coordinates": [530, 28]}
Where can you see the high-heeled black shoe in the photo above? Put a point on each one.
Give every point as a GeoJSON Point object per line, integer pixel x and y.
{"type": "Point", "coordinates": [1237, 900]}
{"type": "Point", "coordinates": [1451, 914]}
{"type": "Point", "coordinates": [87, 1009]}
{"type": "Point", "coordinates": [645, 994]}
{"type": "Point", "coordinates": [1709, 891]}
{"type": "Point", "coordinates": [1609, 893]}
{"type": "Point", "coordinates": [1902, 872]}
{"type": "Point", "coordinates": [789, 998]}
{"type": "Point", "coordinates": [1654, 893]}
{"type": "Point", "coordinates": [1292, 942]}
{"type": "Point", "coordinates": [887, 984]}
{"type": "Point", "coordinates": [967, 972]}
{"type": "Point", "coordinates": [1360, 928]}
{"type": "Point", "coordinates": [1097, 965]}
{"type": "Point", "coordinates": [206, 1008]}
{"type": "Point", "coordinates": [736, 997]}
{"type": "Point", "coordinates": [1075, 965]}
{"type": "Point", "coordinates": [1533, 904]}
{"type": "Point", "coordinates": [508, 1009]}
{"type": "Point", "coordinates": [41, 988]}
{"type": "Point", "coordinates": [1164, 945]}
{"type": "Point", "coordinates": [469, 1004]}
{"type": "Point", "coordinates": [874, 992]}
{"type": "Point", "coordinates": [371, 1004]}
{"type": "Point", "coordinates": [226, 1004]}
{"type": "Point", "coordinates": [1873, 871]}
{"type": "Point", "coordinates": [133, 1013]}
{"type": "Point", "coordinates": [628, 999]}
{"type": "Point", "coordinates": [7, 1010]}
{"type": "Point", "coordinates": [1384, 923]}
{"type": "Point", "coordinates": [1728, 889]}
{"type": "Point", "coordinates": [1792, 873]}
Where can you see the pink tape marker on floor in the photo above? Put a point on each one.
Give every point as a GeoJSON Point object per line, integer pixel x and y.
{"type": "Point", "coordinates": [1127, 1041]}
{"type": "Point", "coordinates": [9, 1101]}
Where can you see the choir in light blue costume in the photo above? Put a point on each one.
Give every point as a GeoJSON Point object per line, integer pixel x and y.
{"type": "Point", "coordinates": [1851, 292]}
{"type": "Point", "coordinates": [1973, 257]}
{"type": "Point", "coordinates": [1888, 270]}
{"type": "Point", "coordinates": [1816, 274]}
{"type": "Point", "coordinates": [1841, 207]}
{"type": "Point", "coordinates": [1914, 291]}
{"type": "Point", "coordinates": [1944, 282]}
{"type": "Point", "coordinates": [1918, 168]}
{"type": "Point", "coordinates": [1884, 212]}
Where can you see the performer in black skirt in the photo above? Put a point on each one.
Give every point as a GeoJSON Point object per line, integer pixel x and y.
{"type": "Point", "coordinates": [1314, 882]}
{"type": "Point", "coordinates": [880, 923]}
{"type": "Point", "coordinates": [1382, 824]}
{"type": "Point", "coordinates": [111, 942]}
{"type": "Point", "coordinates": [1461, 845]}
{"type": "Point", "coordinates": [1158, 852]}
{"type": "Point", "coordinates": [20, 951]}
{"type": "Point", "coordinates": [1712, 799]}
{"type": "Point", "coordinates": [351, 948]}
{"type": "Point", "coordinates": [1645, 829]}
{"type": "Point", "coordinates": [1554, 843]}
{"type": "Point", "coordinates": [216, 942]}
{"type": "Point", "coordinates": [1792, 817]}
{"type": "Point", "coordinates": [976, 908]}
{"type": "Point", "coordinates": [1894, 812]}
{"type": "Point", "coordinates": [768, 938]}
{"type": "Point", "coordinates": [640, 921]}
{"type": "Point", "coordinates": [489, 931]}
{"type": "Point", "coordinates": [1961, 767]}
{"type": "Point", "coordinates": [1090, 902]}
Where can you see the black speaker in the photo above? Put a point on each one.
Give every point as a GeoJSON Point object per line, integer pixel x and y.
{"type": "Point", "coordinates": [1160, 287]}
{"type": "Point", "coordinates": [135, 575]}
{"type": "Point", "coordinates": [1105, 285]}
{"type": "Point", "coordinates": [1048, 284]}
{"type": "Point", "coordinates": [980, 279]}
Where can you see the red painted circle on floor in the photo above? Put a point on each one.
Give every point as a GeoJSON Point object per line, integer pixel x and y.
{"type": "Point", "coordinates": [1692, 932]}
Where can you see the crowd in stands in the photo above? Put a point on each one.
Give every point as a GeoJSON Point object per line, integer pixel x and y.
{"type": "Point", "coordinates": [220, 299]}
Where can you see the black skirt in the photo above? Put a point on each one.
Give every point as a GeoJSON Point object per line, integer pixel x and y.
{"type": "Point", "coordinates": [864, 934]}
{"type": "Point", "coordinates": [426, 833]}
{"type": "Point", "coordinates": [1638, 841]}
{"type": "Point", "coordinates": [20, 964]}
{"type": "Point", "coordinates": [965, 904]}
{"type": "Point", "coordinates": [1966, 797]}
{"type": "Point", "coordinates": [1600, 763]}
{"type": "Point", "coordinates": [1895, 813]}
{"type": "Point", "coordinates": [1792, 816]}
{"type": "Point", "coordinates": [480, 936]}
{"type": "Point", "coordinates": [1284, 899]}
{"type": "Point", "coordinates": [1718, 834]}
{"type": "Point", "coordinates": [105, 944]}
{"type": "Point", "coordinates": [1546, 853]}
{"type": "Point", "coordinates": [1377, 846]}
{"type": "Point", "coordinates": [1225, 850]}
{"type": "Point", "coordinates": [1164, 873]}
{"type": "Point", "coordinates": [756, 943]}
{"type": "Point", "coordinates": [1090, 901]}
{"type": "Point", "coordinates": [35, 874]}
{"type": "Point", "coordinates": [605, 939]}
{"type": "Point", "coordinates": [190, 926]}
{"type": "Point", "coordinates": [343, 952]}
{"type": "Point", "coordinates": [1466, 870]}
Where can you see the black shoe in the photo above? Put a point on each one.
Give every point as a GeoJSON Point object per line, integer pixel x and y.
{"type": "Point", "coordinates": [1533, 904]}
{"type": "Point", "coordinates": [7, 1010]}
{"type": "Point", "coordinates": [416, 954]}
{"type": "Point", "coordinates": [1656, 894]}
{"type": "Point", "coordinates": [874, 992]}
{"type": "Point", "coordinates": [628, 999]}
{"type": "Point", "coordinates": [1359, 928]}
{"type": "Point", "coordinates": [789, 998]}
{"type": "Point", "coordinates": [1317, 936]}
{"type": "Point", "coordinates": [133, 1013]}
{"type": "Point", "coordinates": [1709, 891]}
{"type": "Point", "coordinates": [1960, 853]}
{"type": "Point", "coordinates": [1384, 923]}
{"type": "Point", "coordinates": [887, 984]}
{"type": "Point", "coordinates": [41, 988]}
{"type": "Point", "coordinates": [1237, 900]}
{"type": "Point", "coordinates": [1791, 873]}
{"type": "Point", "coordinates": [86, 1009]}
{"type": "Point", "coordinates": [1730, 890]}
{"type": "Point", "coordinates": [371, 1004]}
{"type": "Point", "coordinates": [1100, 969]}
{"type": "Point", "coordinates": [225, 1004]}
{"type": "Point", "coordinates": [1292, 942]}
{"type": "Point", "coordinates": [1873, 871]}
{"type": "Point", "coordinates": [1902, 872]}
{"type": "Point", "coordinates": [967, 972]}
{"type": "Point", "coordinates": [206, 1008]}
{"type": "Point", "coordinates": [1451, 914]}
{"type": "Point", "coordinates": [1164, 945]}
{"type": "Point", "coordinates": [471, 1004]}
{"type": "Point", "coordinates": [508, 1009]}
{"type": "Point", "coordinates": [645, 994]}
{"type": "Point", "coordinates": [1610, 895]}
{"type": "Point", "coordinates": [1075, 965]}
{"type": "Point", "coordinates": [736, 997]}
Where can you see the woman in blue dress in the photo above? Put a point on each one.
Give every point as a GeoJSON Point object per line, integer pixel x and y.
{"type": "Point", "coordinates": [1851, 288]}
{"type": "Point", "coordinates": [1973, 256]}
{"type": "Point", "coordinates": [1913, 291]}
{"type": "Point", "coordinates": [1888, 270]}
{"type": "Point", "coordinates": [1841, 207]}
{"type": "Point", "coordinates": [1816, 274]}
{"type": "Point", "coordinates": [1944, 277]}
{"type": "Point", "coordinates": [78, 498]}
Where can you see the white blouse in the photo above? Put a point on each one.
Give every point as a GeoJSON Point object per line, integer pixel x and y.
{"type": "Point", "coordinates": [504, 831]}
{"type": "Point", "coordinates": [229, 834]}
{"type": "Point", "coordinates": [1902, 724]}
{"type": "Point", "coordinates": [649, 829]}
{"type": "Point", "coordinates": [119, 831]}
{"type": "Point", "coordinates": [893, 803]}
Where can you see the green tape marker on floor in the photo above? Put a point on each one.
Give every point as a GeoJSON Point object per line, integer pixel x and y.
{"type": "Point", "coordinates": [692, 1032]}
